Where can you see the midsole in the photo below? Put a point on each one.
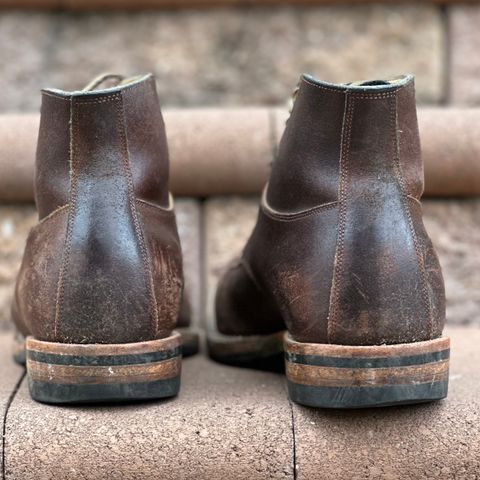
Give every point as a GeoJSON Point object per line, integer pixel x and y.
{"type": "Point", "coordinates": [71, 373]}
{"type": "Point", "coordinates": [138, 362]}
{"type": "Point", "coordinates": [354, 376]}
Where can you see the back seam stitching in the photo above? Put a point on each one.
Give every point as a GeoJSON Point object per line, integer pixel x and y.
{"type": "Point", "coordinates": [134, 213]}
{"type": "Point", "coordinates": [71, 217]}
{"type": "Point", "coordinates": [343, 197]}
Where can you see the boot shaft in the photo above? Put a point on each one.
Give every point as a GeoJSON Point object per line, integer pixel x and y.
{"type": "Point", "coordinates": [340, 242]}
{"type": "Point", "coordinates": [340, 258]}
{"type": "Point", "coordinates": [105, 258]}
{"type": "Point", "coordinates": [369, 119]}
{"type": "Point", "coordinates": [91, 121]}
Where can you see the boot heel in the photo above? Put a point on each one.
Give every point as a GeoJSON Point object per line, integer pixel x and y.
{"type": "Point", "coordinates": [343, 376]}
{"type": "Point", "coordinates": [75, 373]}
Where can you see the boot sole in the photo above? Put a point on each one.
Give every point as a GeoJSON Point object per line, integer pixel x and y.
{"type": "Point", "coordinates": [74, 373]}
{"type": "Point", "coordinates": [261, 352]}
{"type": "Point", "coordinates": [342, 376]}
{"type": "Point", "coordinates": [190, 344]}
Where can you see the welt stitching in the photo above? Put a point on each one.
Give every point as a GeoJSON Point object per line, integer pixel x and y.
{"type": "Point", "coordinates": [105, 99]}
{"type": "Point", "coordinates": [343, 197]}
{"type": "Point", "coordinates": [81, 100]}
{"type": "Point", "coordinates": [133, 211]}
{"type": "Point", "coordinates": [401, 181]}
{"type": "Point", "coordinates": [287, 217]}
{"type": "Point", "coordinates": [322, 87]}
{"type": "Point", "coordinates": [363, 96]}
{"type": "Point", "coordinates": [71, 217]}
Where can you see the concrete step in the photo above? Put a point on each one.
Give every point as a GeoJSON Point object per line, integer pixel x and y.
{"type": "Point", "coordinates": [431, 441]}
{"type": "Point", "coordinates": [235, 423]}
{"type": "Point", "coordinates": [225, 423]}
{"type": "Point", "coordinates": [238, 424]}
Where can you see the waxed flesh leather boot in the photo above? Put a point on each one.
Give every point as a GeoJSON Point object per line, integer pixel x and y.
{"type": "Point", "coordinates": [100, 287]}
{"type": "Point", "coordinates": [339, 257]}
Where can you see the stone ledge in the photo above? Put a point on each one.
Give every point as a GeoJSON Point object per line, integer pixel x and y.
{"type": "Point", "coordinates": [464, 59]}
{"type": "Point", "coordinates": [10, 376]}
{"type": "Point", "coordinates": [225, 423]}
{"type": "Point", "coordinates": [233, 423]}
{"type": "Point", "coordinates": [242, 55]}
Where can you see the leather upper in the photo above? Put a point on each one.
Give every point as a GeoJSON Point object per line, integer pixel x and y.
{"type": "Point", "coordinates": [339, 253]}
{"type": "Point", "coordinates": [104, 264]}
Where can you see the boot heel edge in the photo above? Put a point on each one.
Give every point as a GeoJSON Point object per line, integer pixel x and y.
{"type": "Point", "coordinates": [94, 373]}
{"type": "Point", "coordinates": [342, 376]}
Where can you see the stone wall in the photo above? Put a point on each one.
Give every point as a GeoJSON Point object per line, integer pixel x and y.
{"type": "Point", "coordinates": [244, 55]}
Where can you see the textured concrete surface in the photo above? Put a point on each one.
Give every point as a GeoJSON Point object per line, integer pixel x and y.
{"type": "Point", "coordinates": [435, 441]}
{"type": "Point", "coordinates": [464, 87]}
{"type": "Point", "coordinates": [231, 55]}
{"type": "Point", "coordinates": [454, 226]}
{"type": "Point", "coordinates": [238, 424]}
{"type": "Point", "coordinates": [226, 423]}
{"type": "Point", "coordinates": [16, 221]}
{"type": "Point", "coordinates": [10, 376]}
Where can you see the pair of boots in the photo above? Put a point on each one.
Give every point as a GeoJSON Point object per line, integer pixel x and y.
{"type": "Point", "coordinates": [339, 257]}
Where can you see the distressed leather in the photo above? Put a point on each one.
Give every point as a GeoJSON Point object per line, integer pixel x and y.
{"type": "Point", "coordinates": [104, 264]}
{"type": "Point", "coordinates": [339, 253]}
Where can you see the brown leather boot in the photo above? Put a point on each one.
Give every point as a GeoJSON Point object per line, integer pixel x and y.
{"type": "Point", "coordinates": [340, 257]}
{"type": "Point", "coordinates": [100, 286]}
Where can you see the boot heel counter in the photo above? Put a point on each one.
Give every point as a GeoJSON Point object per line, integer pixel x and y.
{"type": "Point", "coordinates": [34, 303]}
{"type": "Point", "coordinates": [164, 251]}
{"type": "Point", "coordinates": [90, 275]}
{"type": "Point", "coordinates": [104, 286]}
{"type": "Point", "coordinates": [433, 276]}
{"type": "Point", "coordinates": [380, 290]}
